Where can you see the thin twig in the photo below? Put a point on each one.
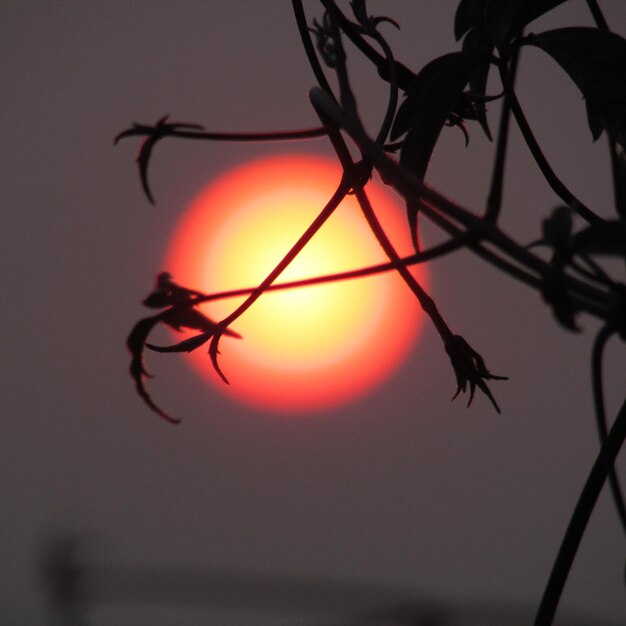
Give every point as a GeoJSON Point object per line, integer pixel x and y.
{"type": "Point", "coordinates": [426, 302]}
{"type": "Point", "coordinates": [431, 254]}
{"type": "Point", "coordinates": [580, 517]}
{"type": "Point", "coordinates": [494, 200]}
{"type": "Point", "coordinates": [392, 102]}
{"type": "Point", "coordinates": [293, 252]}
{"type": "Point", "coordinates": [309, 49]}
{"type": "Point", "coordinates": [404, 76]}
{"type": "Point", "coordinates": [618, 188]}
{"type": "Point", "coordinates": [599, 344]}
{"type": "Point", "coordinates": [308, 234]}
{"type": "Point", "coordinates": [435, 205]}
{"type": "Point", "coordinates": [551, 178]}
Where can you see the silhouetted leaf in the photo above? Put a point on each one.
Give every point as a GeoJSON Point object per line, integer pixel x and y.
{"type": "Point", "coordinates": [596, 61]}
{"type": "Point", "coordinates": [556, 295]}
{"type": "Point", "coordinates": [474, 41]}
{"type": "Point", "coordinates": [500, 19]}
{"type": "Point", "coordinates": [469, 14]}
{"type": "Point", "coordinates": [428, 104]}
{"type": "Point", "coordinates": [505, 19]}
{"type": "Point", "coordinates": [190, 317]}
{"type": "Point", "coordinates": [168, 293]}
{"type": "Point", "coordinates": [557, 230]}
{"type": "Point", "coordinates": [603, 239]}
{"type": "Point", "coordinates": [188, 345]}
{"type": "Point", "coordinates": [181, 313]}
{"type": "Point", "coordinates": [135, 342]}
{"type": "Point", "coordinates": [359, 10]}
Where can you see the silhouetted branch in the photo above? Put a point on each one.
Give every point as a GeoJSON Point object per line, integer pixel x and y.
{"type": "Point", "coordinates": [546, 169]}
{"type": "Point", "coordinates": [316, 224]}
{"type": "Point", "coordinates": [599, 344]}
{"type": "Point", "coordinates": [580, 517]}
{"type": "Point", "coordinates": [571, 281]}
{"type": "Point", "coordinates": [494, 199]}
{"type": "Point", "coordinates": [163, 129]}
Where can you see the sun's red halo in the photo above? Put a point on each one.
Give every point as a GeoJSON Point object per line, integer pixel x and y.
{"type": "Point", "coordinates": [311, 348]}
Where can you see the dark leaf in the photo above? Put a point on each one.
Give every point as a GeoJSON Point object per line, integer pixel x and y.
{"type": "Point", "coordinates": [555, 294]}
{"type": "Point", "coordinates": [557, 229]}
{"type": "Point", "coordinates": [168, 293]}
{"type": "Point", "coordinates": [596, 61]}
{"type": "Point", "coordinates": [603, 239]}
{"type": "Point", "coordinates": [214, 353]}
{"type": "Point", "coordinates": [429, 102]}
{"type": "Point", "coordinates": [477, 40]}
{"type": "Point", "coordinates": [500, 19]}
{"type": "Point", "coordinates": [135, 342]}
{"type": "Point", "coordinates": [617, 311]}
{"type": "Point", "coordinates": [360, 11]}
{"type": "Point", "coordinates": [190, 317]}
{"type": "Point", "coordinates": [505, 19]}
{"type": "Point", "coordinates": [469, 14]}
{"type": "Point", "coordinates": [187, 345]}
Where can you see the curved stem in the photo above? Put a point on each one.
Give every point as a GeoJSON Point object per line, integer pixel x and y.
{"type": "Point", "coordinates": [309, 49]}
{"type": "Point", "coordinates": [618, 187]}
{"type": "Point", "coordinates": [441, 210]}
{"type": "Point", "coordinates": [426, 302]}
{"type": "Point", "coordinates": [598, 398]}
{"type": "Point", "coordinates": [552, 179]}
{"type": "Point", "coordinates": [494, 200]}
{"type": "Point", "coordinates": [404, 76]}
{"type": "Point", "coordinates": [598, 17]}
{"type": "Point", "coordinates": [357, 185]}
{"type": "Point", "coordinates": [308, 234]}
{"type": "Point", "coordinates": [392, 103]}
{"type": "Point", "coordinates": [439, 250]}
{"type": "Point", "coordinates": [580, 517]}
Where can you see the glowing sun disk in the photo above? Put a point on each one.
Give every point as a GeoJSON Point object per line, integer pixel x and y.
{"type": "Point", "coordinates": [303, 349]}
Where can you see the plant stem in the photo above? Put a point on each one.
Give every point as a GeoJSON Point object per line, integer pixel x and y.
{"type": "Point", "coordinates": [494, 200]}
{"type": "Point", "coordinates": [551, 178]}
{"type": "Point", "coordinates": [439, 250]}
{"type": "Point", "coordinates": [580, 517]}
{"type": "Point", "coordinates": [426, 302]}
{"type": "Point", "coordinates": [598, 399]}
{"type": "Point", "coordinates": [308, 234]}
{"type": "Point", "coordinates": [404, 76]}
{"type": "Point", "coordinates": [281, 135]}
{"type": "Point", "coordinates": [440, 209]}
{"type": "Point", "coordinates": [309, 49]}
{"type": "Point", "coordinates": [618, 187]}
{"type": "Point", "coordinates": [596, 12]}
{"type": "Point", "coordinates": [392, 103]}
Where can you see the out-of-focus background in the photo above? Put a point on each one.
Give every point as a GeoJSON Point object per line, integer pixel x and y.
{"type": "Point", "coordinates": [401, 501]}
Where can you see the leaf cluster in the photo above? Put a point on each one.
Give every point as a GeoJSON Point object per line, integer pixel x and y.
{"type": "Point", "coordinates": [448, 91]}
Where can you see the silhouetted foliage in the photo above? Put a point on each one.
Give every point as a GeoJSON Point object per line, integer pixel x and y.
{"type": "Point", "coordinates": [449, 91]}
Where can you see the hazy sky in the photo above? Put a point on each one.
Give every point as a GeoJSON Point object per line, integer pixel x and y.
{"type": "Point", "coordinates": [403, 488]}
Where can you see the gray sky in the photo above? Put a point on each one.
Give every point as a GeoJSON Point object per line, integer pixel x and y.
{"type": "Point", "coordinates": [403, 488]}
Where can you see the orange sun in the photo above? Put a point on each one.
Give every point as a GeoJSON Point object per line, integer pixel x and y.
{"type": "Point", "coordinates": [305, 349]}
